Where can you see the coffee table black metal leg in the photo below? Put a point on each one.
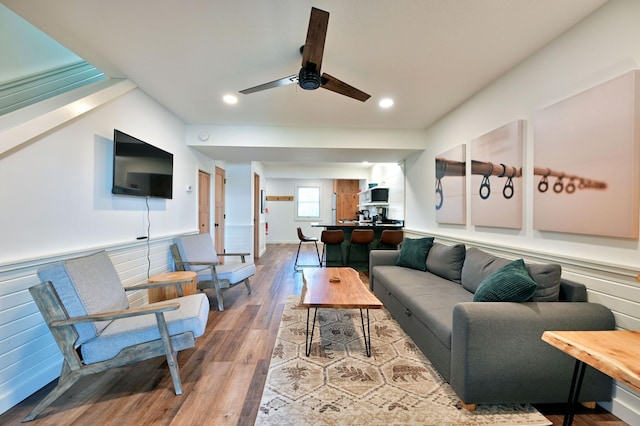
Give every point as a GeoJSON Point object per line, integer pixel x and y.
{"type": "Point", "coordinates": [309, 340]}
{"type": "Point", "coordinates": [366, 334]}
{"type": "Point", "coordinates": [574, 392]}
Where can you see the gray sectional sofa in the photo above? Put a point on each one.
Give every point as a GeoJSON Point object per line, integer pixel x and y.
{"type": "Point", "coordinates": [490, 352]}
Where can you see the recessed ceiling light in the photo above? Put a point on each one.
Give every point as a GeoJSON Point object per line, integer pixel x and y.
{"type": "Point", "coordinates": [386, 103]}
{"type": "Point", "coordinates": [230, 99]}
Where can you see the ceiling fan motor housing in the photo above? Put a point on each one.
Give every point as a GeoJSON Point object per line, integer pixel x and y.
{"type": "Point", "coordinates": [309, 79]}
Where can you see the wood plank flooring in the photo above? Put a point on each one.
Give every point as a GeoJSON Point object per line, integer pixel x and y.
{"type": "Point", "coordinates": [222, 376]}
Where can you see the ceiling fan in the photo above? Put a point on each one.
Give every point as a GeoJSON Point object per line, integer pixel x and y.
{"type": "Point", "coordinates": [309, 77]}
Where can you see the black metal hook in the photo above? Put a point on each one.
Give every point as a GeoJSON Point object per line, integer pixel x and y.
{"type": "Point", "coordinates": [543, 185]}
{"type": "Point", "coordinates": [439, 194]}
{"type": "Point", "coordinates": [507, 191]}
{"type": "Point", "coordinates": [558, 186]}
{"type": "Point", "coordinates": [485, 185]}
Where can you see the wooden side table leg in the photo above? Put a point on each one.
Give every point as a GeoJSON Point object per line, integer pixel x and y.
{"type": "Point", "coordinates": [574, 392]}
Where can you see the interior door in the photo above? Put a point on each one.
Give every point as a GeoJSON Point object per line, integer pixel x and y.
{"type": "Point", "coordinates": [347, 198]}
{"type": "Point", "coordinates": [204, 201]}
{"type": "Point", "coordinates": [219, 216]}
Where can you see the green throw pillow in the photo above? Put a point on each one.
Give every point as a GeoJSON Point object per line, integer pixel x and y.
{"type": "Point", "coordinates": [413, 253]}
{"type": "Point", "coordinates": [511, 283]}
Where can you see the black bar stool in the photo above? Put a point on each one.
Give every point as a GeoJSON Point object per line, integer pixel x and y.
{"type": "Point", "coordinates": [361, 237]}
{"type": "Point", "coordinates": [304, 239]}
{"type": "Point", "coordinates": [390, 238]}
{"type": "Point", "coordinates": [332, 237]}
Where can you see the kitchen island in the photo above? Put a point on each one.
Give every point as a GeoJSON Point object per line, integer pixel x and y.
{"type": "Point", "coordinates": [357, 260]}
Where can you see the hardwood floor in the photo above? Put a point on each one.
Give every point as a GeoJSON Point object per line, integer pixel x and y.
{"type": "Point", "coordinates": [222, 376]}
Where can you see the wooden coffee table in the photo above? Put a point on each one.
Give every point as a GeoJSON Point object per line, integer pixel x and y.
{"type": "Point", "coordinates": [320, 291]}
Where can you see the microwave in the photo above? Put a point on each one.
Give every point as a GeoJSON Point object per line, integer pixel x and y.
{"type": "Point", "coordinates": [376, 195]}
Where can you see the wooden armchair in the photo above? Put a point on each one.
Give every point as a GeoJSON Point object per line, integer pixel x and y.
{"type": "Point", "coordinates": [85, 306]}
{"type": "Point", "coordinates": [197, 253]}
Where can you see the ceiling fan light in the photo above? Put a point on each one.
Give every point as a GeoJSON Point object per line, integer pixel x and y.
{"type": "Point", "coordinates": [309, 80]}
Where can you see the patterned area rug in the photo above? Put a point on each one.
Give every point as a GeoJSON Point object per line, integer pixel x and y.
{"type": "Point", "coordinates": [339, 385]}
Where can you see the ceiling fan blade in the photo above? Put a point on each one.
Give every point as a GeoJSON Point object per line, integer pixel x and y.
{"type": "Point", "coordinates": [335, 85]}
{"type": "Point", "coordinates": [270, 85]}
{"type": "Point", "coordinates": [316, 35]}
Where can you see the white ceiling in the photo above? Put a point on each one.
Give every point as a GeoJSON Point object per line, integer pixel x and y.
{"type": "Point", "coordinates": [429, 55]}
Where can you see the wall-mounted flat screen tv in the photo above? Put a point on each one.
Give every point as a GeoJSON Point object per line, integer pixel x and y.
{"type": "Point", "coordinates": [140, 169]}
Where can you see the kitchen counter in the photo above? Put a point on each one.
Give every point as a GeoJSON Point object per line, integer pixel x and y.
{"type": "Point", "coordinates": [358, 259]}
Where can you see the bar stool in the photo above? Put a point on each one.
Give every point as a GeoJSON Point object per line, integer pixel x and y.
{"type": "Point", "coordinates": [390, 237]}
{"type": "Point", "coordinates": [361, 237]}
{"type": "Point", "coordinates": [332, 237]}
{"type": "Point", "coordinates": [304, 239]}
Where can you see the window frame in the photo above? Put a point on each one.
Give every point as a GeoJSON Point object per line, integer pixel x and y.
{"type": "Point", "coordinates": [297, 203]}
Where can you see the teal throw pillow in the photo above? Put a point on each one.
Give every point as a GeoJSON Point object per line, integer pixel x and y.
{"type": "Point", "coordinates": [413, 253]}
{"type": "Point", "coordinates": [511, 283]}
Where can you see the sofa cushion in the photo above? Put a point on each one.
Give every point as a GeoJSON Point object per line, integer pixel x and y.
{"type": "Point", "coordinates": [478, 265]}
{"type": "Point", "coordinates": [429, 297]}
{"type": "Point", "coordinates": [446, 261]}
{"type": "Point", "coordinates": [511, 283]}
{"type": "Point", "coordinates": [413, 253]}
{"type": "Point", "coordinates": [547, 276]}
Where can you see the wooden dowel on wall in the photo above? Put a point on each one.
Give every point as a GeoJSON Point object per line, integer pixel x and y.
{"type": "Point", "coordinates": [279, 197]}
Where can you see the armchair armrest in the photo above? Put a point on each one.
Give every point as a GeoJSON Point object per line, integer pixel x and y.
{"type": "Point", "coordinates": [146, 286]}
{"type": "Point", "coordinates": [242, 255]}
{"type": "Point", "coordinates": [198, 262]}
{"type": "Point", "coordinates": [497, 354]}
{"type": "Point", "coordinates": [153, 308]}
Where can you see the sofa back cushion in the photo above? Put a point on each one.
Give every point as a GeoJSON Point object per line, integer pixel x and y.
{"type": "Point", "coordinates": [446, 261]}
{"type": "Point", "coordinates": [479, 264]}
{"type": "Point", "coordinates": [548, 277]}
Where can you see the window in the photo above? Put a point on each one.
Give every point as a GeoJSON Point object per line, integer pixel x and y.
{"type": "Point", "coordinates": [307, 202]}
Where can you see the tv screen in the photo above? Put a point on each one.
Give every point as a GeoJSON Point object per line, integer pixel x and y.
{"type": "Point", "coordinates": [140, 169]}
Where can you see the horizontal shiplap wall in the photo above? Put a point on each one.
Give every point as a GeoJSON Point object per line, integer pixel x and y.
{"type": "Point", "coordinates": [614, 286]}
{"type": "Point", "coordinates": [29, 356]}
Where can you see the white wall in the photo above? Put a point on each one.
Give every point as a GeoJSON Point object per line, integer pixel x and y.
{"type": "Point", "coordinates": [598, 49]}
{"type": "Point", "coordinates": [238, 237]}
{"type": "Point", "coordinates": [282, 215]}
{"type": "Point", "coordinates": [60, 184]}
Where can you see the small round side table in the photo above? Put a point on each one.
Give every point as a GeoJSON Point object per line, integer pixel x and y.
{"type": "Point", "coordinates": [163, 293]}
